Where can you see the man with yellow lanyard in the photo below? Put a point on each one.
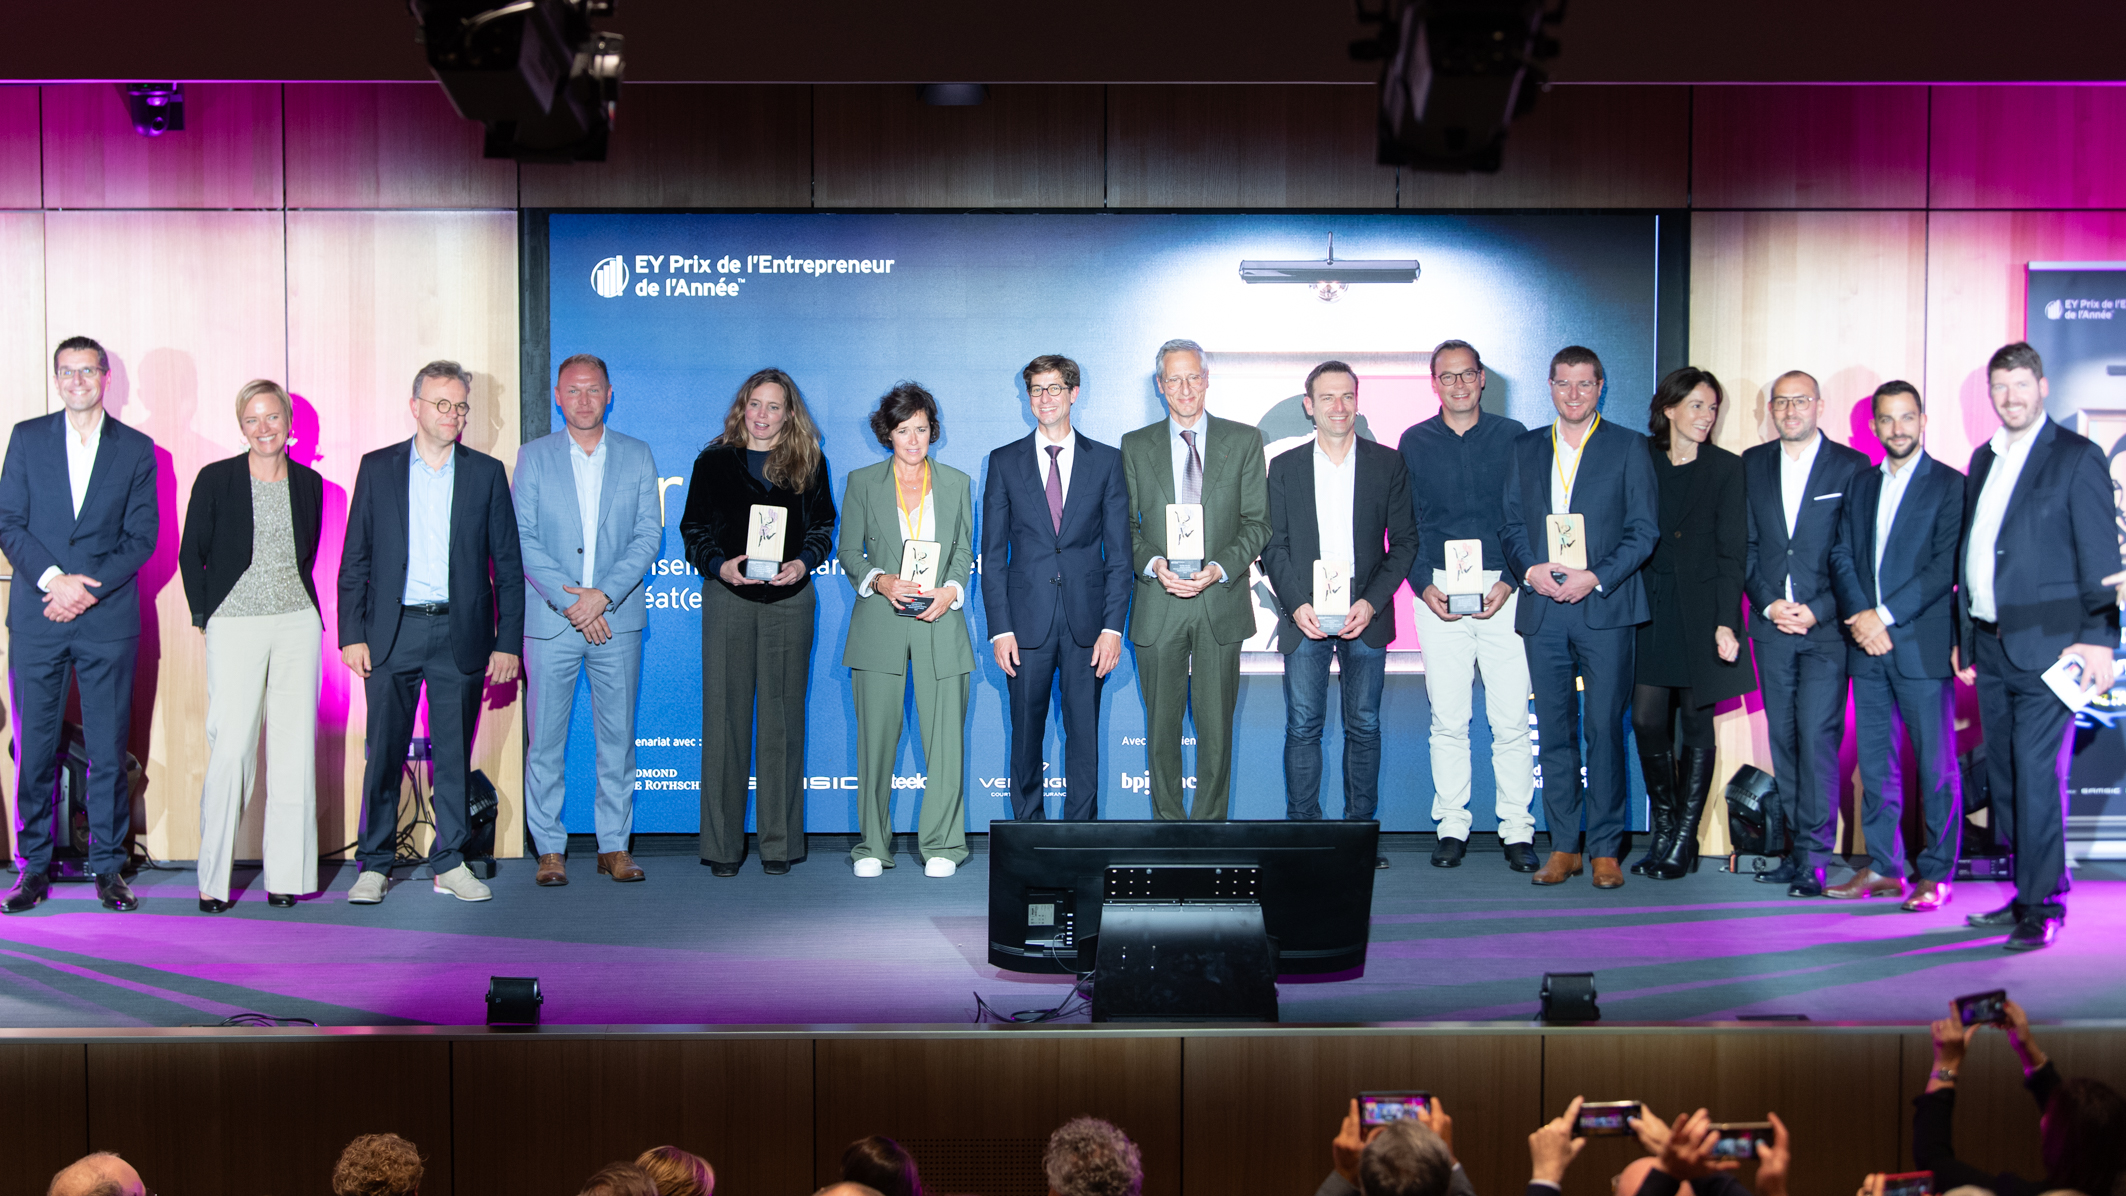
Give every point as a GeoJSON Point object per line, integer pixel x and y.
{"type": "Point", "coordinates": [1581, 505]}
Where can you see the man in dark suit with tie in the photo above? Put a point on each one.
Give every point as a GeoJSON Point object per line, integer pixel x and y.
{"type": "Point", "coordinates": [2035, 571]}
{"type": "Point", "coordinates": [1188, 630]}
{"type": "Point", "coordinates": [1795, 486]}
{"type": "Point", "coordinates": [1343, 502]}
{"type": "Point", "coordinates": [77, 521]}
{"type": "Point", "coordinates": [1055, 585]}
{"type": "Point", "coordinates": [1894, 569]}
{"type": "Point", "coordinates": [431, 592]}
{"type": "Point", "coordinates": [1576, 623]}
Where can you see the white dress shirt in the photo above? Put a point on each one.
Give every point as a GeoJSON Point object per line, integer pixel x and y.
{"type": "Point", "coordinates": [1064, 459]}
{"type": "Point", "coordinates": [589, 471]}
{"type": "Point", "coordinates": [1335, 500]}
{"type": "Point", "coordinates": [1567, 465]}
{"type": "Point", "coordinates": [80, 463]}
{"type": "Point", "coordinates": [1894, 484]}
{"type": "Point", "coordinates": [925, 521]}
{"type": "Point", "coordinates": [1178, 448]}
{"type": "Point", "coordinates": [1794, 490]}
{"type": "Point", "coordinates": [2009, 457]}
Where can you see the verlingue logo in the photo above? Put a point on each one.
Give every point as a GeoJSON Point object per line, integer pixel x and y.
{"type": "Point", "coordinates": [609, 277]}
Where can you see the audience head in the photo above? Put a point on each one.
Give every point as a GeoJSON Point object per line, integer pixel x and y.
{"type": "Point", "coordinates": [1090, 1157]}
{"type": "Point", "coordinates": [881, 1163]}
{"type": "Point", "coordinates": [677, 1173]}
{"type": "Point", "coordinates": [99, 1174]}
{"type": "Point", "coordinates": [1634, 1173]}
{"type": "Point", "coordinates": [1405, 1159]}
{"type": "Point", "coordinates": [377, 1165]}
{"type": "Point", "coordinates": [845, 1188]}
{"type": "Point", "coordinates": [619, 1179]}
{"type": "Point", "coordinates": [2082, 1137]}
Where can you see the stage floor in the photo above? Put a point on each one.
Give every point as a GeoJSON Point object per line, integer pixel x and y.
{"type": "Point", "coordinates": [821, 947]}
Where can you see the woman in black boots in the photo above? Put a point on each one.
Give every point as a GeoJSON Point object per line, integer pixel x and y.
{"type": "Point", "coordinates": [1690, 656]}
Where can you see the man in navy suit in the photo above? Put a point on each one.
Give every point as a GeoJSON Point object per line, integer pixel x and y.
{"type": "Point", "coordinates": [431, 592]}
{"type": "Point", "coordinates": [1796, 485]}
{"type": "Point", "coordinates": [1055, 585]}
{"type": "Point", "coordinates": [77, 521]}
{"type": "Point", "coordinates": [1577, 623]}
{"type": "Point", "coordinates": [2040, 546]}
{"type": "Point", "coordinates": [1894, 568]}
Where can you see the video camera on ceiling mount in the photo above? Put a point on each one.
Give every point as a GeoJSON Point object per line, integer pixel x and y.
{"type": "Point", "coordinates": [1457, 73]}
{"type": "Point", "coordinates": [534, 72]}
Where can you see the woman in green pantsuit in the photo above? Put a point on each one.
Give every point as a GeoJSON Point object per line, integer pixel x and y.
{"type": "Point", "coordinates": [908, 497]}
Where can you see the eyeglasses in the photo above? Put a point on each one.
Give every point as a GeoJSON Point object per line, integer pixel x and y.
{"type": "Point", "coordinates": [1794, 403]}
{"type": "Point", "coordinates": [1585, 386]}
{"type": "Point", "coordinates": [68, 373]}
{"type": "Point", "coordinates": [1185, 381]}
{"type": "Point", "coordinates": [446, 407]}
{"type": "Point", "coordinates": [1461, 377]}
{"type": "Point", "coordinates": [1054, 390]}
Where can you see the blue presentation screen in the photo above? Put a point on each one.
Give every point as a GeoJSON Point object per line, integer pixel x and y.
{"type": "Point", "coordinates": [685, 306]}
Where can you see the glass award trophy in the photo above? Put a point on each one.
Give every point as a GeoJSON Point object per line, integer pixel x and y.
{"type": "Point", "coordinates": [1332, 595]}
{"type": "Point", "coordinates": [764, 542]}
{"type": "Point", "coordinates": [1184, 538]}
{"type": "Point", "coordinates": [1464, 577]}
{"type": "Point", "coordinates": [919, 564]}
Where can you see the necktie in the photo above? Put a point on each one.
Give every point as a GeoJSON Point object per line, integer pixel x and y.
{"type": "Point", "coordinates": [1055, 487]}
{"type": "Point", "coordinates": [1192, 473]}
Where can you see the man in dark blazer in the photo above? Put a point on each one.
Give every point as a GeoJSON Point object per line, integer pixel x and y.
{"type": "Point", "coordinates": [1796, 487]}
{"type": "Point", "coordinates": [2040, 546]}
{"type": "Point", "coordinates": [1188, 630]}
{"type": "Point", "coordinates": [1577, 623]}
{"type": "Point", "coordinates": [1055, 585]}
{"type": "Point", "coordinates": [1343, 501]}
{"type": "Point", "coordinates": [77, 521]}
{"type": "Point", "coordinates": [431, 592]}
{"type": "Point", "coordinates": [1894, 568]}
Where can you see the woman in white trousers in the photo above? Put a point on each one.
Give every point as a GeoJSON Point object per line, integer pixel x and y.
{"type": "Point", "coordinates": [250, 542]}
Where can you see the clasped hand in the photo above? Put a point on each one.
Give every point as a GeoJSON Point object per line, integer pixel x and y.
{"type": "Point", "coordinates": [899, 590]}
{"type": "Point", "coordinates": [1354, 623]}
{"type": "Point", "coordinates": [1436, 601]}
{"type": "Point", "coordinates": [68, 595]}
{"type": "Point", "coordinates": [1188, 587]}
{"type": "Point", "coordinates": [1577, 583]}
{"type": "Point", "coordinates": [733, 573]}
{"type": "Point", "coordinates": [587, 613]}
{"type": "Point", "coordinates": [1790, 616]}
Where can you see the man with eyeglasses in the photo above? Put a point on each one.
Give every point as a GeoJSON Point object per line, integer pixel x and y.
{"type": "Point", "coordinates": [1456, 461]}
{"type": "Point", "coordinates": [431, 592]}
{"type": "Point", "coordinates": [77, 521]}
{"type": "Point", "coordinates": [1055, 585]}
{"type": "Point", "coordinates": [1796, 488]}
{"type": "Point", "coordinates": [1188, 630]}
{"type": "Point", "coordinates": [1580, 488]}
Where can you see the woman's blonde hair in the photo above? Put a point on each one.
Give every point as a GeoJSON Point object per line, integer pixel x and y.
{"type": "Point", "coordinates": [261, 386]}
{"type": "Point", "coordinates": [678, 1173]}
{"type": "Point", "coordinates": [796, 455]}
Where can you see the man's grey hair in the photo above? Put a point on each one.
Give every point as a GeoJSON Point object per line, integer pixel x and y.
{"type": "Point", "coordinates": [1090, 1157]}
{"type": "Point", "coordinates": [87, 1176]}
{"type": "Point", "coordinates": [442, 369]}
{"type": "Point", "coordinates": [1405, 1159]}
{"type": "Point", "coordinates": [1175, 346]}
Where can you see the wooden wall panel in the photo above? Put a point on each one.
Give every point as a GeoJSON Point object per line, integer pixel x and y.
{"type": "Point", "coordinates": [977, 1113]}
{"type": "Point", "coordinates": [2028, 147]}
{"type": "Point", "coordinates": [1837, 1092]}
{"type": "Point", "coordinates": [1809, 147]}
{"type": "Point", "coordinates": [1582, 147]}
{"type": "Point", "coordinates": [1027, 146]}
{"type": "Point", "coordinates": [693, 146]}
{"type": "Point", "coordinates": [1264, 146]}
{"type": "Point", "coordinates": [542, 1115]}
{"type": "Point", "coordinates": [1262, 1111]}
{"type": "Point", "coordinates": [266, 1116]}
{"type": "Point", "coordinates": [21, 147]}
{"type": "Point", "coordinates": [371, 297]}
{"type": "Point", "coordinates": [228, 156]}
{"type": "Point", "coordinates": [47, 1087]}
{"type": "Point", "coordinates": [190, 307]}
{"type": "Point", "coordinates": [388, 145]}
{"type": "Point", "coordinates": [23, 386]}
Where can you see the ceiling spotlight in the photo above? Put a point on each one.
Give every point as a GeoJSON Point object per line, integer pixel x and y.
{"type": "Point", "coordinates": [533, 71]}
{"type": "Point", "coordinates": [1329, 277]}
{"type": "Point", "coordinates": [155, 108]}
{"type": "Point", "coordinates": [953, 95]}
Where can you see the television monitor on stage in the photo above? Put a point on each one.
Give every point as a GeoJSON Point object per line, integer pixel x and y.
{"type": "Point", "coordinates": [1046, 882]}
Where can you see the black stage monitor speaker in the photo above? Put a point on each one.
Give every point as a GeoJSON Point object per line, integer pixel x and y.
{"type": "Point", "coordinates": [513, 1001]}
{"type": "Point", "coordinates": [1748, 792]}
{"type": "Point", "coordinates": [1569, 997]}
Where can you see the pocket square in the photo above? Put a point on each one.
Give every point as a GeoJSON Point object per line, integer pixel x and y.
{"type": "Point", "coordinates": [1821, 497]}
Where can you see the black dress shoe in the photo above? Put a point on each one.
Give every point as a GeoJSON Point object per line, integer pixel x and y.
{"type": "Point", "coordinates": [281, 900]}
{"type": "Point", "coordinates": [2004, 916]}
{"type": "Point", "coordinates": [214, 905]}
{"type": "Point", "coordinates": [2033, 933]}
{"type": "Point", "coordinates": [31, 889]}
{"type": "Point", "coordinates": [1380, 862]}
{"type": "Point", "coordinates": [1788, 871]}
{"type": "Point", "coordinates": [721, 869]}
{"type": "Point", "coordinates": [1521, 857]}
{"type": "Point", "coordinates": [1448, 852]}
{"type": "Point", "coordinates": [112, 890]}
{"type": "Point", "coordinates": [773, 867]}
{"type": "Point", "coordinates": [1808, 884]}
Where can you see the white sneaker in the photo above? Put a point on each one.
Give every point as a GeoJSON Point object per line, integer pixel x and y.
{"type": "Point", "coordinates": [460, 883]}
{"type": "Point", "coordinates": [869, 867]}
{"type": "Point", "coordinates": [940, 866]}
{"type": "Point", "coordinates": [368, 889]}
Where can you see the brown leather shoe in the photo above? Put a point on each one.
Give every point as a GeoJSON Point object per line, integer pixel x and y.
{"type": "Point", "coordinates": [1931, 895]}
{"type": "Point", "coordinates": [1607, 873]}
{"type": "Point", "coordinates": [1867, 883]}
{"type": "Point", "coordinates": [1555, 870]}
{"type": "Point", "coordinates": [553, 869]}
{"type": "Point", "coordinates": [617, 865]}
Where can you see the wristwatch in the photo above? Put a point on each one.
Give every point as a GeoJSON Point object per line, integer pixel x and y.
{"type": "Point", "coordinates": [1946, 1075]}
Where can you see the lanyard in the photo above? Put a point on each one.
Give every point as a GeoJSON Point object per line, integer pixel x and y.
{"type": "Point", "coordinates": [1557, 459]}
{"type": "Point", "coordinates": [912, 520]}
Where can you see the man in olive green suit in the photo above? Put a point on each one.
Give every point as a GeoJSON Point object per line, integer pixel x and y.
{"type": "Point", "coordinates": [1188, 630]}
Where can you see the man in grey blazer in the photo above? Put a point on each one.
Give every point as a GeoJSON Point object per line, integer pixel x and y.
{"type": "Point", "coordinates": [588, 521]}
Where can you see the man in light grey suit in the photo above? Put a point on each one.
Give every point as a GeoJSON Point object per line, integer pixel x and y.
{"type": "Point", "coordinates": [587, 517]}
